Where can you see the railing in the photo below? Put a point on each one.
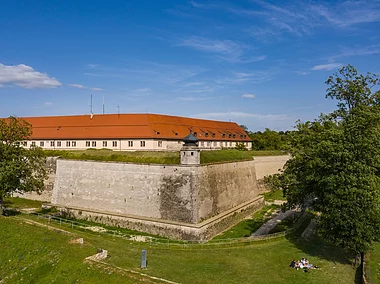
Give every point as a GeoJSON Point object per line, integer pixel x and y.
{"type": "Point", "coordinates": [166, 243]}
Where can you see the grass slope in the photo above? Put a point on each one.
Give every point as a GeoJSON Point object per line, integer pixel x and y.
{"type": "Point", "coordinates": [34, 254]}
{"type": "Point", "coordinates": [156, 157]}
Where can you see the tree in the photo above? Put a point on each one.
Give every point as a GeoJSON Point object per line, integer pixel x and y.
{"type": "Point", "coordinates": [21, 170]}
{"type": "Point", "coordinates": [335, 164]}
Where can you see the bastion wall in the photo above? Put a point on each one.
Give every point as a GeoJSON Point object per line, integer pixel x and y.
{"type": "Point", "coordinates": [179, 193]}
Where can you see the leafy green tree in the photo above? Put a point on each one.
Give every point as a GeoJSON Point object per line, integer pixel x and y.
{"type": "Point", "coordinates": [335, 164]}
{"type": "Point", "coordinates": [21, 170]}
{"type": "Point", "coordinates": [269, 140]}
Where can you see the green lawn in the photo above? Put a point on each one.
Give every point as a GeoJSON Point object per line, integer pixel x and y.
{"type": "Point", "coordinates": [373, 265]}
{"type": "Point", "coordinates": [158, 157]}
{"type": "Point", "coordinates": [34, 254]}
{"type": "Point", "coordinates": [18, 203]}
{"type": "Point", "coordinates": [274, 195]}
{"type": "Point", "coordinates": [246, 227]}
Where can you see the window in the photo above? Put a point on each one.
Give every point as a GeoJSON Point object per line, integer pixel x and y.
{"type": "Point", "coordinates": [202, 143]}
{"type": "Point", "coordinates": [142, 143]}
{"type": "Point", "coordinates": [67, 143]}
{"type": "Point", "coordinates": [230, 144]}
{"type": "Point", "coordinates": [221, 144]}
{"type": "Point", "coordinates": [42, 143]}
{"type": "Point", "coordinates": [192, 153]}
{"type": "Point", "coordinates": [104, 143]}
{"type": "Point", "coordinates": [159, 143]}
{"type": "Point", "coordinates": [51, 143]}
{"type": "Point", "coordinates": [87, 143]}
{"type": "Point", "coordinates": [114, 143]}
{"type": "Point", "coordinates": [195, 134]}
{"type": "Point", "coordinates": [215, 143]}
{"type": "Point", "coordinates": [33, 143]}
{"type": "Point", "coordinates": [206, 134]}
{"type": "Point", "coordinates": [59, 143]}
{"type": "Point", "coordinates": [130, 143]}
{"type": "Point", "coordinates": [24, 143]}
{"type": "Point", "coordinates": [73, 143]}
{"type": "Point", "coordinates": [208, 143]}
{"type": "Point", "coordinates": [93, 143]}
{"type": "Point", "coordinates": [223, 135]}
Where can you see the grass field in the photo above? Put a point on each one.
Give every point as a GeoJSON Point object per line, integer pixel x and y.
{"type": "Point", "coordinates": [34, 254]}
{"type": "Point", "coordinates": [150, 157]}
{"type": "Point", "coordinates": [246, 227]}
{"type": "Point", "coordinates": [37, 254]}
{"type": "Point", "coordinates": [373, 265]}
{"type": "Point", "coordinates": [274, 195]}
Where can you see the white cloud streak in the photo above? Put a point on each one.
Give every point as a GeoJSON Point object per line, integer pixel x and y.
{"type": "Point", "coordinates": [249, 96]}
{"type": "Point", "coordinates": [226, 50]}
{"type": "Point", "coordinates": [79, 86]}
{"type": "Point", "coordinates": [239, 115]}
{"type": "Point", "coordinates": [330, 66]}
{"type": "Point", "coordinates": [26, 77]}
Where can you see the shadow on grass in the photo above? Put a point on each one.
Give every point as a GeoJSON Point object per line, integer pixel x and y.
{"type": "Point", "coordinates": [358, 276]}
{"type": "Point", "coordinates": [11, 212]}
{"type": "Point", "coordinates": [7, 203]}
{"type": "Point", "coordinates": [318, 247]}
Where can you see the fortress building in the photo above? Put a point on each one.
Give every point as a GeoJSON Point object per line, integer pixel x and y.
{"type": "Point", "coordinates": [136, 132]}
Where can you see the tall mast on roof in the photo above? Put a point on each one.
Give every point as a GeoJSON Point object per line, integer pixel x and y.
{"type": "Point", "coordinates": [103, 105]}
{"type": "Point", "coordinates": [91, 113]}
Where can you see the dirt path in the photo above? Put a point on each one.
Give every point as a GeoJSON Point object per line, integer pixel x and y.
{"type": "Point", "coordinates": [265, 229]}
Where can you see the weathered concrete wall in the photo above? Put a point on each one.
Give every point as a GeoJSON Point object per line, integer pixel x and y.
{"type": "Point", "coordinates": [268, 165]}
{"type": "Point", "coordinates": [175, 230]}
{"type": "Point", "coordinates": [154, 191]}
{"type": "Point", "coordinates": [51, 168]}
{"type": "Point", "coordinates": [179, 193]}
{"type": "Point", "coordinates": [224, 186]}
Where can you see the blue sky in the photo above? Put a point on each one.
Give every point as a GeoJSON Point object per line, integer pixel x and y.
{"type": "Point", "coordinates": [259, 63]}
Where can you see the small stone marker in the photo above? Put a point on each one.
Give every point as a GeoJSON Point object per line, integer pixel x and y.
{"type": "Point", "coordinates": [143, 258]}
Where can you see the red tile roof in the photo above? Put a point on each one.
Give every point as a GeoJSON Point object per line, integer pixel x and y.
{"type": "Point", "coordinates": [125, 126]}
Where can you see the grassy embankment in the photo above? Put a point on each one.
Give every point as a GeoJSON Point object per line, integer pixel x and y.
{"type": "Point", "coordinates": [151, 157]}
{"type": "Point", "coordinates": [35, 254]}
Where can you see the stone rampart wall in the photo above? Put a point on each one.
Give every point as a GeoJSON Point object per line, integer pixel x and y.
{"type": "Point", "coordinates": [179, 193]}
{"type": "Point", "coordinates": [51, 168]}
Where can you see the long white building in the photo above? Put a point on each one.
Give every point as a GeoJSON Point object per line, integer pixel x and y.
{"type": "Point", "coordinates": [134, 132]}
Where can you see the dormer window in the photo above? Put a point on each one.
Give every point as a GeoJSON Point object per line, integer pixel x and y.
{"type": "Point", "coordinates": [206, 134]}
{"type": "Point", "coordinates": [223, 135]}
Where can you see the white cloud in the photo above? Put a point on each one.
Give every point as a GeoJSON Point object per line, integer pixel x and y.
{"type": "Point", "coordinates": [143, 90]}
{"type": "Point", "coordinates": [227, 50]}
{"type": "Point", "coordinates": [48, 103]}
{"type": "Point", "coordinates": [329, 66]}
{"type": "Point", "coordinates": [249, 96]}
{"type": "Point", "coordinates": [92, 65]}
{"type": "Point", "coordinates": [79, 86]}
{"type": "Point", "coordinates": [96, 89]}
{"type": "Point", "coordinates": [243, 77]}
{"type": "Point", "coordinates": [238, 115]}
{"type": "Point", "coordinates": [254, 121]}
{"type": "Point", "coordinates": [358, 51]}
{"type": "Point", "coordinates": [26, 77]}
{"type": "Point", "coordinates": [303, 73]}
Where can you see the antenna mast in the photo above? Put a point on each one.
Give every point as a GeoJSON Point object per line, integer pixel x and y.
{"type": "Point", "coordinates": [103, 105]}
